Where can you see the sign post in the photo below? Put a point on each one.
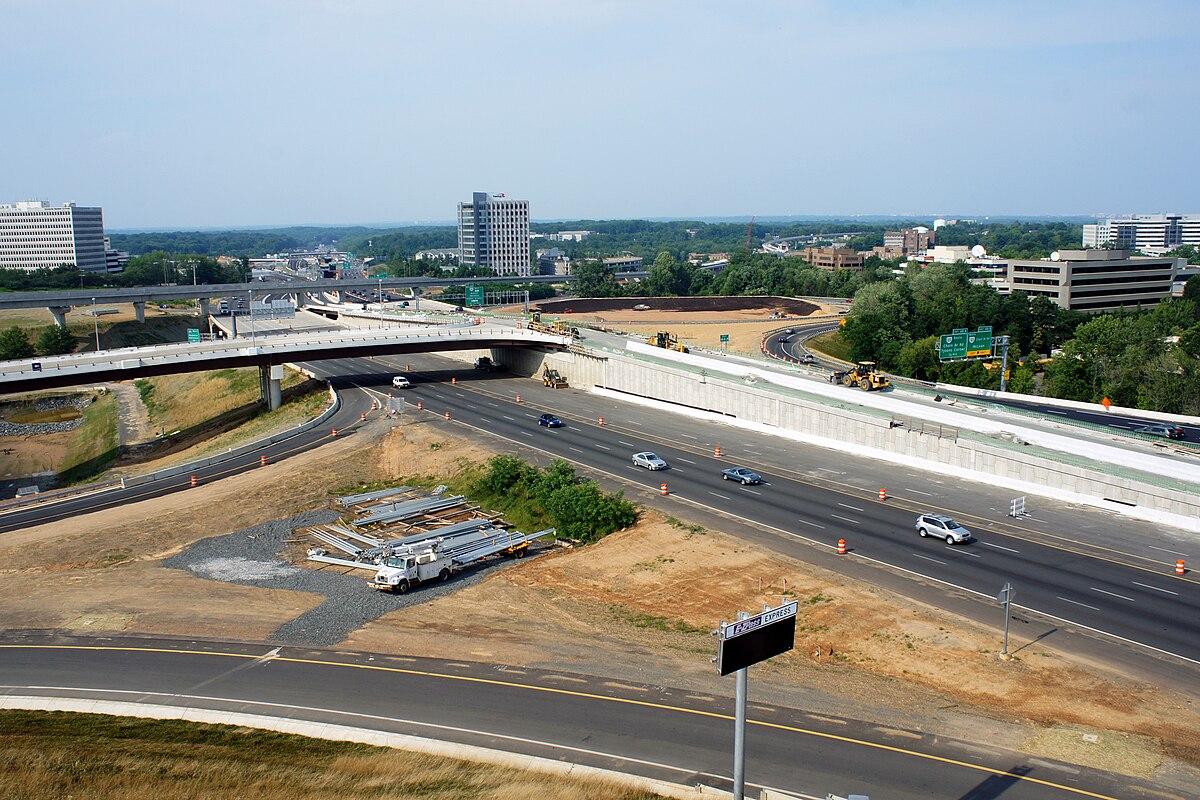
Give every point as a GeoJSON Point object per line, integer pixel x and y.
{"type": "Point", "coordinates": [741, 644]}
{"type": "Point", "coordinates": [1007, 593]}
{"type": "Point", "coordinates": [724, 341]}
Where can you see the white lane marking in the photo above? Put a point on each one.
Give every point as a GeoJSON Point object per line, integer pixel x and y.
{"type": "Point", "coordinates": [751, 491]}
{"type": "Point", "coordinates": [852, 508]}
{"type": "Point", "coordinates": [602, 447]}
{"type": "Point", "coordinates": [815, 525]}
{"type": "Point", "coordinates": [526, 433]}
{"type": "Point", "coordinates": [1112, 594]}
{"type": "Point", "coordinates": [460, 394]}
{"type": "Point", "coordinates": [915, 491]}
{"type": "Point", "coordinates": [510, 419]}
{"type": "Point", "coordinates": [927, 558]}
{"type": "Point", "coordinates": [962, 552]}
{"type": "Point", "coordinates": [634, 422]}
{"type": "Point", "coordinates": [1060, 413]}
{"type": "Point", "coordinates": [845, 519]}
{"type": "Point", "coordinates": [687, 436]}
{"type": "Point", "coordinates": [627, 444]}
{"type": "Point", "coordinates": [1076, 602]}
{"type": "Point", "coordinates": [576, 449]}
{"type": "Point", "coordinates": [723, 497]}
{"type": "Point", "coordinates": [754, 452]}
{"type": "Point", "coordinates": [999, 547]}
{"type": "Point", "coordinates": [834, 471]}
{"type": "Point", "coordinates": [531, 416]}
{"type": "Point", "coordinates": [1165, 550]}
{"type": "Point", "coordinates": [493, 405]}
{"type": "Point", "coordinates": [684, 460]}
{"type": "Point", "coordinates": [1155, 588]}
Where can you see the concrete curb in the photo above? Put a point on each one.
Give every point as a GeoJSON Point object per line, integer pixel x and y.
{"type": "Point", "coordinates": [346, 733]}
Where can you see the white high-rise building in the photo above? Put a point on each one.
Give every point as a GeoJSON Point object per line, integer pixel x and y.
{"type": "Point", "coordinates": [1153, 234]}
{"type": "Point", "coordinates": [36, 234]}
{"type": "Point", "coordinates": [493, 233]}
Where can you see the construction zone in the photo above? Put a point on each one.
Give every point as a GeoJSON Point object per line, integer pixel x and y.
{"type": "Point", "coordinates": [863, 375]}
{"type": "Point", "coordinates": [406, 536]}
{"type": "Point", "coordinates": [667, 341]}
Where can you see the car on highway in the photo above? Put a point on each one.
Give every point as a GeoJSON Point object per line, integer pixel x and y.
{"type": "Point", "coordinates": [649, 460]}
{"type": "Point", "coordinates": [741, 475]}
{"type": "Point", "coordinates": [808, 358]}
{"type": "Point", "coordinates": [790, 331]}
{"type": "Point", "coordinates": [1160, 429]}
{"type": "Point", "coordinates": [401, 382]}
{"type": "Point", "coordinates": [550, 421]}
{"type": "Point", "coordinates": [784, 338]}
{"type": "Point", "coordinates": [940, 526]}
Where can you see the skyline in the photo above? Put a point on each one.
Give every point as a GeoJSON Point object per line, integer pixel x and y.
{"type": "Point", "coordinates": [291, 114]}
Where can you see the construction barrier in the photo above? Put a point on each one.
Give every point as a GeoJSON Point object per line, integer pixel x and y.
{"type": "Point", "coordinates": [841, 547]}
{"type": "Point", "coordinates": [262, 461]}
{"type": "Point", "coordinates": [1179, 567]}
{"type": "Point", "coordinates": [518, 398]}
{"type": "Point", "coordinates": [420, 405]}
{"type": "Point", "coordinates": [408, 367]}
{"type": "Point", "coordinates": [663, 490]}
{"type": "Point", "coordinates": [602, 425]}
{"type": "Point", "coordinates": [453, 380]}
{"type": "Point", "coordinates": [334, 432]}
{"type": "Point", "coordinates": [717, 452]}
{"type": "Point", "coordinates": [447, 415]}
{"type": "Point", "coordinates": [882, 495]}
{"type": "Point", "coordinates": [195, 481]}
{"type": "Point", "coordinates": [364, 416]}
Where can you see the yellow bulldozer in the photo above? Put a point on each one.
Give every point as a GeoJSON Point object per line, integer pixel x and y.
{"type": "Point", "coordinates": [862, 375]}
{"type": "Point", "coordinates": [667, 341]}
{"type": "Point", "coordinates": [552, 378]}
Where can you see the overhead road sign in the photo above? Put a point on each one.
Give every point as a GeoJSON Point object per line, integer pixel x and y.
{"type": "Point", "coordinates": [962, 344]}
{"type": "Point", "coordinates": [979, 343]}
{"type": "Point", "coordinates": [757, 638]}
{"type": "Point", "coordinates": [475, 296]}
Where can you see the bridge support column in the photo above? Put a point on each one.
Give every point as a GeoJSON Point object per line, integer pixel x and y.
{"type": "Point", "coordinates": [139, 311]}
{"type": "Point", "coordinates": [204, 309]}
{"type": "Point", "coordinates": [269, 389]}
{"type": "Point", "coordinates": [60, 315]}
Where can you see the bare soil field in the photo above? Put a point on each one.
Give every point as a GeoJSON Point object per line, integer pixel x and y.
{"type": "Point", "coordinates": [637, 606]}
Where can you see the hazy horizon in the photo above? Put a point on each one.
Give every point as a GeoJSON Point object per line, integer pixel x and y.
{"type": "Point", "coordinates": [233, 115]}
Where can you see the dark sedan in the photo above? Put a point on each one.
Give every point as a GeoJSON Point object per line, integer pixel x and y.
{"type": "Point", "coordinates": [549, 421]}
{"type": "Point", "coordinates": [741, 475]}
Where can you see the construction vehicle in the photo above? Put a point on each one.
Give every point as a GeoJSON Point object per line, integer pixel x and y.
{"type": "Point", "coordinates": [667, 341]}
{"type": "Point", "coordinates": [552, 378]}
{"type": "Point", "coordinates": [563, 328]}
{"type": "Point", "coordinates": [399, 571]}
{"type": "Point", "coordinates": [486, 364]}
{"type": "Point", "coordinates": [862, 375]}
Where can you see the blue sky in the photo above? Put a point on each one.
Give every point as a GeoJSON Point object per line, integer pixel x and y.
{"type": "Point", "coordinates": [271, 113]}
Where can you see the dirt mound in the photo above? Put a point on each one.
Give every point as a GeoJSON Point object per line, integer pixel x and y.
{"type": "Point", "coordinates": [784, 305]}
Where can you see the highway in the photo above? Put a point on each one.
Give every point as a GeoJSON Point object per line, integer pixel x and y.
{"type": "Point", "coordinates": [660, 732]}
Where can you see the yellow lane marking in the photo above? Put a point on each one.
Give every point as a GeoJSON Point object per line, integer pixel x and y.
{"type": "Point", "coordinates": [577, 694]}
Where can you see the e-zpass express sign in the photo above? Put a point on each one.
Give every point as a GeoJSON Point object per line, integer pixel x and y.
{"type": "Point", "coordinates": [754, 623]}
{"type": "Point", "coordinates": [756, 639]}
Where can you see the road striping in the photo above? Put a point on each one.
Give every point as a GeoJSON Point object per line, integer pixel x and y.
{"type": "Point", "coordinates": [460, 394]}
{"type": "Point", "coordinates": [1155, 588]}
{"type": "Point", "coordinates": [927, 558]}
{"type": "Point", "coordinates": [602, 447]}
{"type": "Point", "coordinates": [1112, 594]}
{"type": "Point", "coordinates": [815, 525]}
{"type": "Point", "coordinates": [845, 519]}
{"type": "Point", "coordinates": [916, 491]}
{"type": "Point", "coordinates": [684, 460]}
{"type": "Point", "coordinates": [576, 449]}
{"type": "Point", "coordinates": [1076, 602]}
{"type": "Point", "coordinates": [999, 547]}
{"type": "Point", "coordinates": [723, 497]}
{"type": "Point", "coordinates": [510, 419]}
{"type": "Point", "coordinates": [627, 444]}
{"type": "Point", "coordinates": [1165, 550]}
{"type": "Point", "coordinates": [527, 433]}
{"type": "Point", "coordinates": [751, 491]}
{"type": "Point", "coordinates": [635, 422]}
{"type": "Point", "coordinates": [961, 552]}
{"type": "Point", "coordinates": [687, 436]}
{"type": "Point", "coordinates": [852, 508]}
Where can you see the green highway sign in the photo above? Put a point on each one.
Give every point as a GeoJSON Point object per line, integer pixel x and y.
{"type": "Point", "coordinates": [475, 296]}
{"type": "Point", "coordinates": [724, 338]}
{"type": "Point", "coordinates": [962, 343]}
{"type": "Point", "coordinates": [193, 334]}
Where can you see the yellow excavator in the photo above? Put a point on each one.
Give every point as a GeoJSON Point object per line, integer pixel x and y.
{"type": "Point", "coordinates": [667, 341]}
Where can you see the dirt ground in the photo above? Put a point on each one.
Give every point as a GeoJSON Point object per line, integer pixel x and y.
{"type": "Point", "coordinates": [859, 647]}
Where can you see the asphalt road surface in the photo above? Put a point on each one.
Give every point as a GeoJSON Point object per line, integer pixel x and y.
{"type": "Point", "coordinates": [659, 732]}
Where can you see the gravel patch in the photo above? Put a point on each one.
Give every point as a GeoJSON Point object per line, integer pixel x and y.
{"type": "Point", "coordinates": [251, 557]}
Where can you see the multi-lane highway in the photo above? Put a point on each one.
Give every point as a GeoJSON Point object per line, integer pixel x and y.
{"type": "Point", "coordinates": [683, 737]}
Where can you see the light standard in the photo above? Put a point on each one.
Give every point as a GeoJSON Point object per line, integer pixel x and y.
{"type": "Point", "coordinates": [381, 304]}
{"type": "Point", "coordinates": [250, 296]}
{"type": "Point", "coordinates": [96, 322]}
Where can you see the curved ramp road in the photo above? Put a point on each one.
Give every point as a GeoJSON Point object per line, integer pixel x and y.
{"type": "Point", "coordinates": [658, 732]}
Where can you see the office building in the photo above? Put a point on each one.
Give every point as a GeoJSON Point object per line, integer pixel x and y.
{"type": "Point", "coordinates": [493, 233]}
{"type": "Point", "coordinates": [36, 235]}
{"type": "Point", "coordinates": [625, 263]}
{"type": "Point", "coordinates": [1096, 280]}
{"type": "Point", "coordinates": [1153, 234]}
{"type": "Point", "coordinates": [910, 241]}
{"type": "Point", "coordinates": [832, 258]}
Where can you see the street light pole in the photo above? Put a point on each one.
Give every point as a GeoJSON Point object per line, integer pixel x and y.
{"type": "Point", "coordinates": [250, 295]}
{"type": "Point", "coordinates": [381, 304]}
{"type": "Point", "coordinates": [96, 322]}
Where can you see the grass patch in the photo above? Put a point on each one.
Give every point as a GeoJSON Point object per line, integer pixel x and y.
{"type": "Point", "coordinates": [62, 754]}
{"type": "Point", "coordinates": [830, 344]}
{"type": "Point", "coordinates": [179, 402]}
{"type": "Point", "coordinates": [639, 619]}
{"type": "Point", "coordinates": [94, 446]}
{"type": "Point", "coordinates": [676, 522]}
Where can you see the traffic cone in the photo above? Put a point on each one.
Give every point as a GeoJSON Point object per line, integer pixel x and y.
{"type": "Point", "coordinates": [518, 398]}
{"type": "Point", "coordinates": [882, 495]}
{"type": "Point", "coordinates": [364, 416]}
{"type": "Point", "coordinates": [447, 415]}
{"type": "Point", "coordinates": [262, 461]}
{"type": "Point", "coordinates": [420, 405]}
{"type": "Point", "coordinates": [335, 431]}
{"type": "Point", "coordinates": [663, 490]}
{"type": "Point", "coordinates": [1179, 567]}
{"type": "Point", "coordinates": [841, 547]}
{"type": "Point", "coordinates": [602, 425]}
{"type": "Point", "coordinates": [717, 452]}
{"type": "Point", "coordinates": [196, 482]}
{"type": "Point", "coordinates": [453, 380]}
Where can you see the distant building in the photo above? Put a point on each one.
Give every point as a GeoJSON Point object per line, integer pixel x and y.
{"type": "Point", "coordinates": [116, 260]}
{"type": "Point", "coordinates": [910, 241]}
{"type": "Point", "coordinates": [553, 261]}
{"type": "Point", "coordinates": [445, 254]}
{"type": "Point", "coordinates": [1149, 233]}
{"type": "Point", "coordinates": [36, 235]}
{"type": "Point", "coordinates": [833, 258]}
{"type": "Point", "coordinates": [493, 233]}
{"type": "Point", "coordinates": [626, 263]}
{"type": "Point", "coordinates": [886, 253]}
{"type": "Point", "coordinates": [569, 236]}
{"type": "Point", "coordinates": [948, 253]}
{"type": "Point", "coordinates": [1096, 280]}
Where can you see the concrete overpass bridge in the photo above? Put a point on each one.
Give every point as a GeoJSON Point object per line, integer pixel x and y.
{"type": "Point", "coordinates": [268, 353]}
{"type": "Point", "coordinates": [60, 301]}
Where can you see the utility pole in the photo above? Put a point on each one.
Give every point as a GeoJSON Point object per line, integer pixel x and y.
{"type": "Point", "coordinates": [1003, 342]}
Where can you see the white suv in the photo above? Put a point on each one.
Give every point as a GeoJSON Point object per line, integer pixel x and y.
{"type": "Point", "coordinates": [942, 527]}
{"type": "Point", "coordinates": [401, 382]}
